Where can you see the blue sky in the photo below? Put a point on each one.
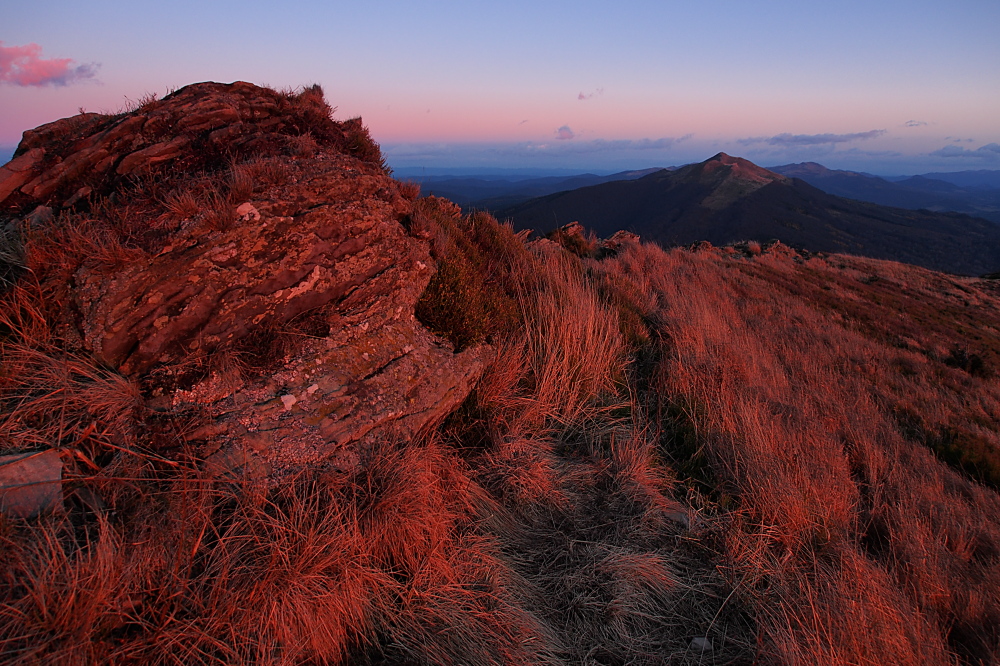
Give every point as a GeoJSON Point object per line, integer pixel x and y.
{"type": "Point", "coordinates": [887, 87]}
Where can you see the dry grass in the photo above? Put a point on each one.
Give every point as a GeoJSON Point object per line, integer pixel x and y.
{"type": "Point", "coordinates": [774, 453]}
{"type": "Point", "coordinates": [471, 297]}
{"type": "Point", "coordinates": [311, 572]}
{"type": "Point", "coordinates": [52, 399]}
{"type": "Point", "coordinates": [182, 204]}
{"type": "Point", "coordinates": [593, 523]}
{"type": "Point", "coordinates": [303, 145]}
{"type": "Point", "coordinates": [576, 352]}
{"type": "Point", "coordinates": [541, 530]}
{"type": "Point", "coordinates": [409, 190]}
{"type": "Point", "coordinates": [12, 257]}
{"type": "Point", "coordinates": [855, 543]}
{"type": "Point", "coordinates": [55, 252]}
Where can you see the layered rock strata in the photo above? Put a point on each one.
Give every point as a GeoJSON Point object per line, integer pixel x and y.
{"type": "Point", "coordinates": [326, 241]}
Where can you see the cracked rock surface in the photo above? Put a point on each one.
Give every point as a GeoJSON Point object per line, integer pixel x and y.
{"type": "Point", "coordinates": [325, 240]}
{"type": "Point", "coordinates": [198, 124]}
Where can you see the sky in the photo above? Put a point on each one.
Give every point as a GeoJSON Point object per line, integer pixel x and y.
{"type": "Point", "coordinates": [882, 86]}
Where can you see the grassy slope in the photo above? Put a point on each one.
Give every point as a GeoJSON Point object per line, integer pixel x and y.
{"type": "Point", "coordinates": [778, 454]}
{"type": "Point", "coordinates": [819, 392]}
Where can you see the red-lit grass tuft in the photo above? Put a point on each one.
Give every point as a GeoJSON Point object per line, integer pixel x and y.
{"type": "Point", "coordinates": [303, 145]}
{"type": "Point", "coordinates": [409, 189]}
{"type": "Point", "coordinates": [525, 474]}
{"type": "Point", "coordinates": [52, 399]}
{"type": "Point", "coordinates": [22, 315]}
{"type": "Point", "coordinates": [182, 204]}
{"type": "Point", "coordinates": [240, 185]}
{"type": "Point", "coordinates": [309, 571]}
{"type": "Point", "coordinates": [56, 595]}
{"type": "Point", "coordinates": [575, 349]}
{"type": "Point", "coordinates": [54, 252]}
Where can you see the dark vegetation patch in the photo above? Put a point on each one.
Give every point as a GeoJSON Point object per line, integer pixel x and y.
{"type": "Point", "coordinates": [972, 363]}
{"type": "Point", "coordinates": [473, 295]}
{"type": "Point", "coordinates": [957, 445]}
{"type": "Point", "coordinates": [633, 324]}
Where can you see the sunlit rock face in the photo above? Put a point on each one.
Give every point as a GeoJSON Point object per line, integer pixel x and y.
{"type": "Point", "coordinates": [198, 125]}
{"type": "Point", "coordinates": [322, 240]}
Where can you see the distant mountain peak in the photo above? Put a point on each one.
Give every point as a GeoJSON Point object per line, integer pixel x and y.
{"type": "Point", "coordinates": [739, 168]}
{"type": "Point", "coordinates": [730, 178]}
{"type": "Point", "coordinates": [726, 199]}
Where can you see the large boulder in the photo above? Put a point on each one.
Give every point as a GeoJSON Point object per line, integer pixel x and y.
{"type": "Point", "coordinates": [325, 239]}
{"type": "Point", "coordinates": [199, 125]}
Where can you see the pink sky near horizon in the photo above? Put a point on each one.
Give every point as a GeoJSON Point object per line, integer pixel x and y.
{"type": "Point", "coordinates": [721, 73]}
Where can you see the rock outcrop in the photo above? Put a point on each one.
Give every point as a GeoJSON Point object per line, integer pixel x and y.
{"type": "Point", "coordinates": [323, 239]}
{"type": "Point", "coordinates": [575, 238]}
{"type": "Point", "coordinates": [62, 162]}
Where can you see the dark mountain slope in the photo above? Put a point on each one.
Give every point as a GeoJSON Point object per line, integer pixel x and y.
{"type": "Point", "coordinates": [485, 193]}
{"type": "Point", "coordinates": [727, 199]}
{"type": "Point", "coordinates": [916, 192]}
{"type": "Point", "coordinates": [982, 178]}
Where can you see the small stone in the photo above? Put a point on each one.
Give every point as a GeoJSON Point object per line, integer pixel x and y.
{"type": "Point", "coordinates": [247, 212]}
{"type": "Point", "coordinates": [700, 645]}
{"type": "Point", "coordinates": [42, 215]}
{"type": "Point", "coordinates": [31, 483]}
{"type": "Point", "coordinates": [235, 463]}
{"type": "Point", "coordinates": [288, 401]}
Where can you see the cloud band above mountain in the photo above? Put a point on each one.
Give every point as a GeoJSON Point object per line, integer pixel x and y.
{"type": "Point", "coordinates": [25, 66]}
{"type": "Point", "coordinates": [787, 139]}
{"type": "Point", "coordinates": [459, 153]}
{"type": "Point", "coordinates": [991, 151]}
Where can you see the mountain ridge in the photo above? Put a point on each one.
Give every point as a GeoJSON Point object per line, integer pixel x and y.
{"type": "Point", "coordinates": [725, 199]}
{"type": "Point", "coordinates": [489, 194]}
{"type": "Point", "coordinates": [929, 191]}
